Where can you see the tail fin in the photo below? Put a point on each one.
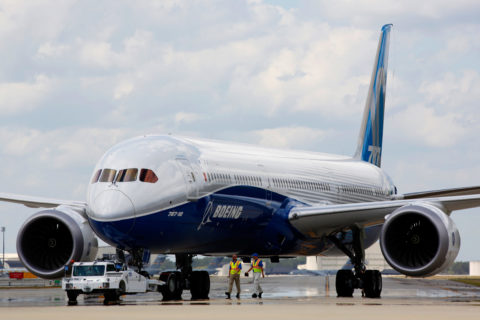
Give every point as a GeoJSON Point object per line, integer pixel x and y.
{"type": "Point", "coordinates": [369, 147]}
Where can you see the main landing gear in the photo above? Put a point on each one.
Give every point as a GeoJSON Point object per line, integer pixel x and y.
{"type": "Point", "coordinates": [198, 282]}
{"type": "Point", "coordinates": [370, 281]}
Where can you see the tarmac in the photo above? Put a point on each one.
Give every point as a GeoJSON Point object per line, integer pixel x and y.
{"type": "Point", "coordinates": [285, 297]}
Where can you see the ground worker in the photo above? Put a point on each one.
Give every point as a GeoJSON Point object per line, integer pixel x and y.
{"type": "Point", "coordinates": [234, 275]}
{"type": "Point", "coordinates": [257, 266]}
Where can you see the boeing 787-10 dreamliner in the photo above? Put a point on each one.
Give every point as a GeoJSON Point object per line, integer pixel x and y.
{"type": "Point", "coordinates": [183, 196]}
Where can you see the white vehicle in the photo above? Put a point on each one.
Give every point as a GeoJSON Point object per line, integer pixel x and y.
{"type": "Point", "coordinates": [106, 277]}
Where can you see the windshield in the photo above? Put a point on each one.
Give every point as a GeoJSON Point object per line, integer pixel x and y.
{"type": "Point", "coordinates": [91, 271]}
{"type": "Point", "coordinates": [107, 175]}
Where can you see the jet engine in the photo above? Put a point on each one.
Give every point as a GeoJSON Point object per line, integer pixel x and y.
{"type": "Point", "coordinates": [49, 239]}
{"type": "Point", "coordinates": [419, 240]}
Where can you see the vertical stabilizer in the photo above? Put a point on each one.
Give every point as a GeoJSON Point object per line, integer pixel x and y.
{"type": "Point", "coordinates": [369, 146]}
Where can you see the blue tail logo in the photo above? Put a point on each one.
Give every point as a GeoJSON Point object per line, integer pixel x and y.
{"type": "Point", "coordinates": [369, 147]}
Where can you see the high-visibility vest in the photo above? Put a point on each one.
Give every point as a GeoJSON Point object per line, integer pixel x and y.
{"type": "Point", "coordinates": [256, 265]}
{"type": "Point", "coordinates": [235, 267]}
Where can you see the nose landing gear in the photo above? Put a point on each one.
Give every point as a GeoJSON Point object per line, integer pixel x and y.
{"type": "Point", "coordinates": [370, 281]}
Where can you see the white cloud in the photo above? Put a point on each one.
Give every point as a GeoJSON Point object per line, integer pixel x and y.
{"type": "Point", "coordinates": [52, 50]}
{"type": "Point", "coordinates": [122, 90]}
{"type": "Point", "coordinates": [289, 137]}
{"type": "Point", "coordinates": [132, 52]}
{"type": "Point", "coordinates": [368, 11]}
{"type": "Point", "coordinates": [456, 92]}
{"type": "Point", "coordinates": [18, 97]}
{"type": "Point", "coordinates": [60, 147]}
{"type": "Point", "coordinates": [32, 20]}
{"type": "Point", "coordinates": [98, 54]}
{"type": "Point", "coordinates": [186, 118]}
{"type": "Point", "coordinates": [320, 75]}
{"type": "Point", "coordinates": [422, 125]}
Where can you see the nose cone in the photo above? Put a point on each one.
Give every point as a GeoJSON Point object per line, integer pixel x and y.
{"type": "Point", "coordinates": [112, 205]}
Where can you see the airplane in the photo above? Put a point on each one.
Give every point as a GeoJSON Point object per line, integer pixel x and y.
{"type": "Point", "coordinates": [187, 196]}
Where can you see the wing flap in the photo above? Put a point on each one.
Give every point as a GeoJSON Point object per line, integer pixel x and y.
{"type": "Point", "coordinates": [39, 202]}
{"type": "Point", "coordinates": [317, 221]}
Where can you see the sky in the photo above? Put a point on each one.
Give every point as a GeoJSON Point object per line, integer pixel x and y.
{"type": "Point", "coordinates": [76, 77]}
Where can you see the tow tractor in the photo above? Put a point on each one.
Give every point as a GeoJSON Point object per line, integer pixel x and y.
{"type": "Point", "coordinates": [106, 277]}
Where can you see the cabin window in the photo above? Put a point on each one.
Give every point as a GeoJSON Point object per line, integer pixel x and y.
{"type": "Point", "coordinates": [127, 175]}
{"type": "Point", "coordinates": [147, 175]}
{"type": "Point", "coordinates": [108, 175]}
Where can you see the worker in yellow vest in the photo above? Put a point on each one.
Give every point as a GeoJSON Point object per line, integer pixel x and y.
{"type": "Point", "coordinates": [257, 266]}
{"type": "Point", "coordinates": [234, 276]}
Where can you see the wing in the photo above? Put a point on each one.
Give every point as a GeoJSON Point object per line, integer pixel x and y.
{"type": "Point", "coordinates": [38, 202]}
{"type": "Point", "coordinates": [443, 193]}
{"type": "Point", "coordinates": [316, 221]}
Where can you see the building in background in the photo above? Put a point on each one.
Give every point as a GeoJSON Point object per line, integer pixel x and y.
{"type": "Point", "coordinates": [12, 261]}
{"type": "Point", "coordinates": [475, 268]}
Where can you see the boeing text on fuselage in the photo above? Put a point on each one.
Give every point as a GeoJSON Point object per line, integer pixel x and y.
{"type": "Point", "coordinates": [217, 211]}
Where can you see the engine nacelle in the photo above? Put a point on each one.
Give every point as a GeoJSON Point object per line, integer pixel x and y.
{"type": "Point", "coordinates": [49, 239]}
{"type": "Point", "coordinates": [419, 240]}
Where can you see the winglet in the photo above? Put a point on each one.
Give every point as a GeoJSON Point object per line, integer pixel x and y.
{"type": "Point", "coordinates": [369, 147]}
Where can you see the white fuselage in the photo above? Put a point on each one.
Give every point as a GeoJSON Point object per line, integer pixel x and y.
{"type": "Point", "coordinates": [192, 170]}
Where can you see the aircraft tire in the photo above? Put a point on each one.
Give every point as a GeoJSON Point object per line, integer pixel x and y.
{"type": "Point", "coordinates": [195, 285]}
{"type": "Point", "coordinates": [345, 283]}
{"type": "Point", "coordinates": [205, 284]}
{"type": "Point", "coordinates": [200, 285]}
{"type": "Point", "coordinates": [173, 288]}
{"type": "Point", "coordinates": [372, 283]}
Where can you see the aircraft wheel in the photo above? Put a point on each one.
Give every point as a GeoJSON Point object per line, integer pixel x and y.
{"type": "Point", "coordinates": [372, 283]}
{"type": "Point", "coordinates": [345, 283]}
{"type": "Point", "coordinates": [200, 284]}
{"type": "Point", "coordinates": [173, 288]}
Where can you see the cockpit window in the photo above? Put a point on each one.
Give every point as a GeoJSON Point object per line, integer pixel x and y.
{"type": "Point", "coordinates": [127, 175]}
{"type": "Point", "coordinates": [107, 175]}
{"type": "Point", "coordinates": [147, 175]}
{"type": "Point", "coordinates": [96, 176]}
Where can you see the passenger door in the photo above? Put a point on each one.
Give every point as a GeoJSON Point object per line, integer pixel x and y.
{"type": "Point", "coordinates": [190, 178]}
